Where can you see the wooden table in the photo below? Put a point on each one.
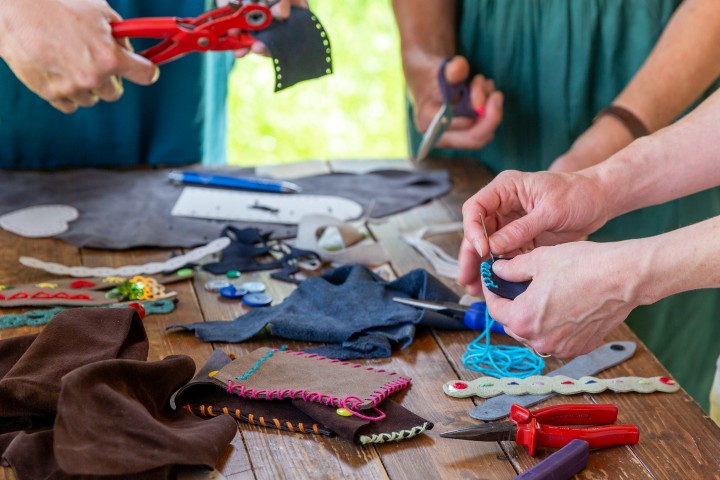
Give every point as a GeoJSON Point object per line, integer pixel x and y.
{"type": "Point", "coordinates": [677, 439]}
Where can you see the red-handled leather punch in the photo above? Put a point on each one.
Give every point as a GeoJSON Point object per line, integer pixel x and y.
{"type": "Point", "coordinates": [224, 28]}
{"type": "Point", "coordinates": [547, 427]}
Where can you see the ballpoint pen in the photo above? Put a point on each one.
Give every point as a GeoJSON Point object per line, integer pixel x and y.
{"type": "Point", "coordinates": [241, 183]}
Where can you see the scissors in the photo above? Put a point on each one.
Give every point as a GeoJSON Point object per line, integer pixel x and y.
{"type": "Point", "coordinates": [224, 28]}
{"type": "Point", "coordinates": [473, 314]}
{"type": "Point", "coordinates": [547, 427]}
{"type": "Point", "coordinates": [456, 103]}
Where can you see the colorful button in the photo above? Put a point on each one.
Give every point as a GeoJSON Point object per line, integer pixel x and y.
{"type": "Point", "coordinates": [343, 413]}
{"type": "Point", "coordinates": [232, 292]}
{"type": "Point", "coordinates": [216, 285]}
{"type": "Point", "coordinates": [233, 274]}
{"type": "Point", "coordinates": [184, 272]}
{"type": "Point", "coordinates": [253, 287]}
{"type": "Point", "coordinates": [257, 299]}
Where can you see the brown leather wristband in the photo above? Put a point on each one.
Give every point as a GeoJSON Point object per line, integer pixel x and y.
{"type": "Point", "coordinates": [631, 122]}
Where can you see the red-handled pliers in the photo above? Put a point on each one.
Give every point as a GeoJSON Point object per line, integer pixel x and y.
{"type": "Point", "coordinates": [547, 427]}
{"type": "Point", "coordinates": [224, 28]}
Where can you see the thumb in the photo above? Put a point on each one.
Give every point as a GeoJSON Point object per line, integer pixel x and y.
{"type": "Point", "coordinates": [457, 70]}
{"type": "Point", "coordinates": [513, 270]}
{"type": "Point", "coordinates": [518, 233]}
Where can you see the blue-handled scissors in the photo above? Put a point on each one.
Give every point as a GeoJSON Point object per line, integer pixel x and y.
{"type": "Point", "coordinates": [473, 314]}
{"type": "Point", "coordinates": [456, 103]}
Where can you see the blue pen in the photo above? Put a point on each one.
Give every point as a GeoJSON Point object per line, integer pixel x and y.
{"type": "Point", "coordinates": [241, 183]}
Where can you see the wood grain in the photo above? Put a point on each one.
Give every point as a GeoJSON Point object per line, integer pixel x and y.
{"type": "Point", "coordinates": [677, 439]}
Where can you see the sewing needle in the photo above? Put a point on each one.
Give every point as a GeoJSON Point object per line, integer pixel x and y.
{"type": "Point", "coordinates": [482, 221]}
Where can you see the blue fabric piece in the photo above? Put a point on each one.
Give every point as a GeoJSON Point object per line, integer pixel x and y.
{"type": "Point", "coordinates": [350, 308]}
{"type": "Point", "coordinates": [179, 120]}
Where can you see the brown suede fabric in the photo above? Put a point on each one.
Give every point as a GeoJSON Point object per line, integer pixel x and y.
{"type": "Point", "coordinates": [206, 398]}
{"type": "Point", "coordinates": [113, 420]}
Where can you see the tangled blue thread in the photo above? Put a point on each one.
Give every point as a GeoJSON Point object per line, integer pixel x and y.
{"type": "Point", "coordinates": [485, 272]}
{"type": "Point", "coordinates": [500, 361]}
{"type": "Point", "coordinates": [260, 362]}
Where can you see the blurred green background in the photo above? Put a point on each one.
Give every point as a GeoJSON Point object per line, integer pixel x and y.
{"type": "Point", "coordinates": [357, 112]}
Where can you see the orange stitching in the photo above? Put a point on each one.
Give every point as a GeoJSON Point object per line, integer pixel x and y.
{"type": "Point", "coordinates": [225, 411]}
{"type": "Point", "coordinates": [251, 418]}
{"type": "Point", "coordinates": [290, 426]}
{"type": "Point", "coordinates": [202, 410]}
{"type": "Point", "coordinates": [301, 427]}
{"type": "Point", "coordinates": [277, 423]}
{"type": "Point", "coordinates": [237, 413]}
{"type": "Point", "coordinates": [262, 421]}
{"type": "Point", "coordinates": [210, 412]}
{"type": "Point", "coordinates": [315, 428]}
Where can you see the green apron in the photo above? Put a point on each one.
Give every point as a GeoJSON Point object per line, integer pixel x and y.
{"type": "Point", "coordinates": [558, 63]}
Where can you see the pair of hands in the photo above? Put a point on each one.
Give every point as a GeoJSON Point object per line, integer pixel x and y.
{"type": "Point", "coordinates": [579, 290]}
{"type": "Point", "coordinates": [64, 50]}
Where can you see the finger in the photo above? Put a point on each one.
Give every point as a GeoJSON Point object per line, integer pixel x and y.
{"type": "Point", "coordinates": [457, 70]}
{"type": "Point", "coordinates": [515, 270]}
{"type": "Point", "coordinates": [479, 93]}
{"type": "Point", "coordinates": [137, 68]}
{"type": "Point", "coordinates": [64, 105]}
{"type": "Point", "coordinates": [481, 132]}
{"type": "Point", "coordinates": [281, 10]}
{"type": "Point", "coordinates": [260, 48]}
{"type": "Point", "coordinates": [241, 52]}
{"type": "Point", "coordinates": [84, 98]}
{"type": "Point", "coordinates": [468, 264]}
{"type": "Point", "coordinates": [520, 233]}
{"type": "Point", "coordinates": [110, 90]}
{"type": "Point", "coordinates": [482, 203]}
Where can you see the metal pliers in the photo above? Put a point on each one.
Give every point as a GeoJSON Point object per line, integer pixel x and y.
{"type": "Point", "coordinates": [224, 28]}
{"type": "Point", "coordinates": [547, 427]}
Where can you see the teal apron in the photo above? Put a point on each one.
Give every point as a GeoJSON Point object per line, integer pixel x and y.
{"type": "Point", "coordinates": [179, 120]}
{"type": "Point", "coordinates": [558, 63]}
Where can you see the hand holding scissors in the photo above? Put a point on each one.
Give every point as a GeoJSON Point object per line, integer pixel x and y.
{"type": "Point", "coordinates": [456, 124]}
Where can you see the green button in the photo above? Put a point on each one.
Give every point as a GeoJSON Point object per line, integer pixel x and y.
{"type": "Point", "coordinates": [233, 274]}
{"type": "Point", "coordinates": [184, 272]}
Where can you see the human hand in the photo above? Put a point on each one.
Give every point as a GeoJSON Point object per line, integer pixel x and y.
{"type": "Point", "coordinates": [579, 292]}
{"type": "Point", "coordinates": [280, 11]}
{"type": "Point", "coordinates": [522, 211]}
{"type": "Point", "coordinates": [64, 52]}
{"type": "Point", "coordinates": [463, 133]}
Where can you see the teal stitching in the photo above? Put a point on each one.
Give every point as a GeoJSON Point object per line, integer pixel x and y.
{"type": "Point", "coordinates": [485, 273]}
{"type": "Point", "coordinates": [259, 362]}
{"type": "Point", "coordinates": [41, 317]}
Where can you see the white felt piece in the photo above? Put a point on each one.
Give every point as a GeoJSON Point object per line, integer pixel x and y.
{"type": "Point", "coordinates": [39, 221]}
{"type": "Point", "coordinates": [130, 270]}
{"type": "Point", "coordinates": [443, 263]}
{"type": "Point", "coordinates": [217, 204]}
{"type": "Point", "coordinates": [365, 252]}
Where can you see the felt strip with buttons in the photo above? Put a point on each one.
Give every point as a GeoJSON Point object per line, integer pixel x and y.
{"type": "Point", "coordinates": [487, 387]}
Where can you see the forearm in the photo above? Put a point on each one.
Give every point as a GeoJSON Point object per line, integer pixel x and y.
{"type": "Point", "coordinates": [677, 261]}
{"type": "Point", "coordinates": [677, 161]}
{"type": "Point", "coordinates": [427, 31]}
{"type": "Point", "coordinates": [682, 66]}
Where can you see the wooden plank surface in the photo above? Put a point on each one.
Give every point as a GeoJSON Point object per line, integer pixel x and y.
{"type": "Point", "coordinates": [677, 439]}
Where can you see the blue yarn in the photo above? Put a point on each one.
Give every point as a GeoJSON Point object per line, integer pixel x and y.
{"type": "Point", "coordinates": [500, 361]}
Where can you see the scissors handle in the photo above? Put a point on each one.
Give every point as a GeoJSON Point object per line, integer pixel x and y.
{"type": "Point", "coordinates": [475, 318]}
{"type": "Point", "coordinates": [573, 414]}
{"type": "Point", "coordinates": [457, 95]}
{"type": "Point", "coordinates": [534, 434]}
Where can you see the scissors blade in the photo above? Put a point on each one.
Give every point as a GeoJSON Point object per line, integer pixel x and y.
{"type": "Point", "coordinates": [489, 432]}
{"type": "Point", "coordinates": [437, 127]}
{"type": "Point", "coordinates": [436, 306]}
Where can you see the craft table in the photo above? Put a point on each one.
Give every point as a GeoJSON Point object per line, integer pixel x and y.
{"type": "Point", "coordinates": [677, 439]}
